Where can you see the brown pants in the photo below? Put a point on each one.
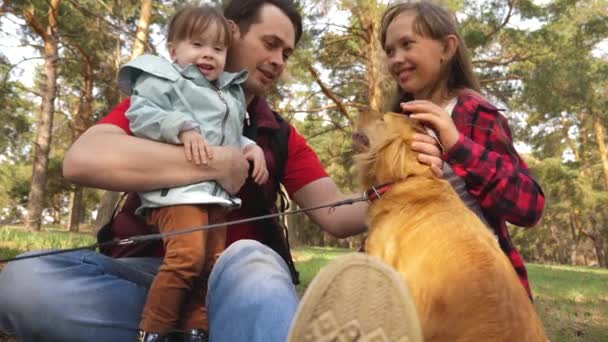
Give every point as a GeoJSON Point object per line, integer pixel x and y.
{"type": "Point", "coordinates": [176, 298]}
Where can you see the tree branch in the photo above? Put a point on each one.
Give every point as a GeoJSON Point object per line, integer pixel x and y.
{"type": "Point", "coordinates": [318, 134]}
{"type": "Point", "coordinates": [498, 79]}
{"type": "Point", "coordinates": [28, 13]}
{"type": "Point", "coordinates": [504, 22]}
{"type": "Point", "coordinates": [341, 108]}
{"type": "Point", "coordinates": [7, 74]}
{"type": "Point", "coordinates": [127, 32]}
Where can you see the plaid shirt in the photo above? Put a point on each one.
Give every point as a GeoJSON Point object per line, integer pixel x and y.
{"type": "Point", "coordinates": [494, 174]}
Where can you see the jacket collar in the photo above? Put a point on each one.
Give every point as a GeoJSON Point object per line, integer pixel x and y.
{"type": "Point", "coordinates": [263, 115]}
{"type": "Point", "coordinates": [225, 79]}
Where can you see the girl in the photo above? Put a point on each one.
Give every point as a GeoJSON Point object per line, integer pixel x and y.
{"type": "Point", "coordinates": [436, 85]}
{"type": "Point", "coordinates": [191, 102]}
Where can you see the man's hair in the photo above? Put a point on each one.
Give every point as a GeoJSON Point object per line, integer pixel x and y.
{"type": "Point", "coordinates": [246, 12]}
{"type": "Point", "coordinates": [191, 21]}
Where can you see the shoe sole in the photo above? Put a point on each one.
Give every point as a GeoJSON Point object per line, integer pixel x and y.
{"type": "Point", "coordinates": [356, 298]}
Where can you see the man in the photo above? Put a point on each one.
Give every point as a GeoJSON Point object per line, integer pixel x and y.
{"type": "Point", "coordinates": [87, 296]}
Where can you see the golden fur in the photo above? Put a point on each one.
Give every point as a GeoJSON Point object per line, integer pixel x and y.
{"type": "Point", "coordinates": [463, 285]}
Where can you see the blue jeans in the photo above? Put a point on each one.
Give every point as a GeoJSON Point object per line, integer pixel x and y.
{"type": "Point", "coordinates": [86, 296]}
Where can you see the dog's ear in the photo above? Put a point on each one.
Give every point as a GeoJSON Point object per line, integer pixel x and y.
{"type": "Point", "coordinates": [366, 118]}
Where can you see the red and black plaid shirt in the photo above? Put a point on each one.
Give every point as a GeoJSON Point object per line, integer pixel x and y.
{"type": "Point", "coordinates": [494, 174]}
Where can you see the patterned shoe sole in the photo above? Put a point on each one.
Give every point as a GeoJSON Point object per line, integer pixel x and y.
{"type": "Point", "coordinates": [356, 298]}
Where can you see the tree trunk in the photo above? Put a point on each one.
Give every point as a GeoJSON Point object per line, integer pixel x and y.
{"type": "Point", "coordinates": [110, 198]}
{"type": "Point", "coordinates": [600, 137]}
{"type": "Point", "coordinates": [45, 122]}
{"type": "Point", "coordinates": [376, 73]}
{"type": "Point", "coordinates": [106, 208]}
{"type": "Point", "coordinates": [143, 27]}
{"type": "Point", "coordinates": [82, 121]}
{"type": "Point", "coordinates": [601, 260]}
{"type": "Point", "coordinates": [75, 210]}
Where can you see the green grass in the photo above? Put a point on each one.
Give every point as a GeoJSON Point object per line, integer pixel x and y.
{"type": "Point", "coordinates": [571, 301]}
{"type": "Point", "coordinates": [310, 260]}
{"type": "Point", "coordinates": [14, 240]}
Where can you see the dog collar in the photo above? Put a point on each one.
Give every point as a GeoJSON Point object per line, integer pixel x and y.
{"type": "Point", "coordinates": [376, 191]}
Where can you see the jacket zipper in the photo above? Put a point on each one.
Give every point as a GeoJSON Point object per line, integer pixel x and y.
{"type": "Point", "coordinates": [224, 120]}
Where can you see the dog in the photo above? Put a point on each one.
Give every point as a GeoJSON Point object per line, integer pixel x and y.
{"type": "Point", "coordinates": [463, 285]}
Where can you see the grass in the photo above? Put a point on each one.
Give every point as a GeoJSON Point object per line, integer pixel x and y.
{"type": "Point", "coordinates": [571, 301]}
{"type": "Point", "coordinates": [310, 260]}
{"type": "Point", "coordinates": [14, 240]}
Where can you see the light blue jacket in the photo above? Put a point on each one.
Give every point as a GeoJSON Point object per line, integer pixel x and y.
{"type": "Point", "coordinates": [167, 99]}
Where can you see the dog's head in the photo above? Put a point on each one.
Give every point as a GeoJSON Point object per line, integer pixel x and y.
{"type": "Point", "coordinates": [390, 157]}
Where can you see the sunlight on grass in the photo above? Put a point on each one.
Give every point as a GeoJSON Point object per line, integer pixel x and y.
{"type": "Point", "coordinates": [14, 241]}
{"type": "Point", "coordinates": [309, 261]}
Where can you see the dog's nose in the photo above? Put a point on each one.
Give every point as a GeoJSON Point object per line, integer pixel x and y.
{"type": "Point", "coordinates": [360, 141]}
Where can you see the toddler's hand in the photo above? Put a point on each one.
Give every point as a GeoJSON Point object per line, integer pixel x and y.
{"type": "Point", "coordinates": [195, 147]}
{"type": "Point", "coordinates": [255, 154]}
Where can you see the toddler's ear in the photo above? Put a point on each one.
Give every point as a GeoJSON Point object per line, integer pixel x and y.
{"type": "Point", "coordinates": [171, 50]}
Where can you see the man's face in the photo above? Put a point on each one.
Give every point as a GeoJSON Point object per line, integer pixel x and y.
{"type": "Point", "coordinates": [263, 50]}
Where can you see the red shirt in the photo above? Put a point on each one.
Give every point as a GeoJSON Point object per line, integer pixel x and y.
{"type": "Point", "coordinates": [301, 167]}
{"type": "Point", "coordinates": [494, 174]}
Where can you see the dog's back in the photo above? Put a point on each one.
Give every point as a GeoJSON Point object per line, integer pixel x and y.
{"type": "Point", "coordinates": [464, 286]}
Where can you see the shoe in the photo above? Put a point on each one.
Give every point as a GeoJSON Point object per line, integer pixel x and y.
{"type": "Point", "coordinates": [356, 298]}
{"type": "Point", "coordinates": [195, 335]}
{"type": "Point", "coordinates": [150, 337]}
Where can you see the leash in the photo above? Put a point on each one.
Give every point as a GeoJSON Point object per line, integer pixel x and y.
{"type": "Point", "coordinates": [369, 195]}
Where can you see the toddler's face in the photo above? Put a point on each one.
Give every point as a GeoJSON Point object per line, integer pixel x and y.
{"type": "Point", "coordinates": [206, 51]}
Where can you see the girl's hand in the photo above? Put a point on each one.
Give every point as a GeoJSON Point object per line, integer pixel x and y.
{"type": "Point", "coordinates": [434, 116]}
{"type": "Point", "coordinates": [428, 153]}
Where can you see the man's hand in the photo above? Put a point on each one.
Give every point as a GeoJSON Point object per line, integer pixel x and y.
{"type": "Point", "coordinates": [231, 167]}
{"type": "Point", "coordinates": [195, 147]}
{"type": "Point", "coordinates": [254, 153]}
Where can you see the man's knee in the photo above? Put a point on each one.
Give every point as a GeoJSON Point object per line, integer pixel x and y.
{"type": "Point", "coordinates": [245, 252]}
{"type": "Point", "coordinates": [249, 260]}
{"type": "Point", "coordinates": [21, 284]}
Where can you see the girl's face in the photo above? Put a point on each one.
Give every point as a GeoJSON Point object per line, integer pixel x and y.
{"type": "Point", "coordinates": [204, 51]}
{"type": "Point", "coordinates": [414, 61]}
